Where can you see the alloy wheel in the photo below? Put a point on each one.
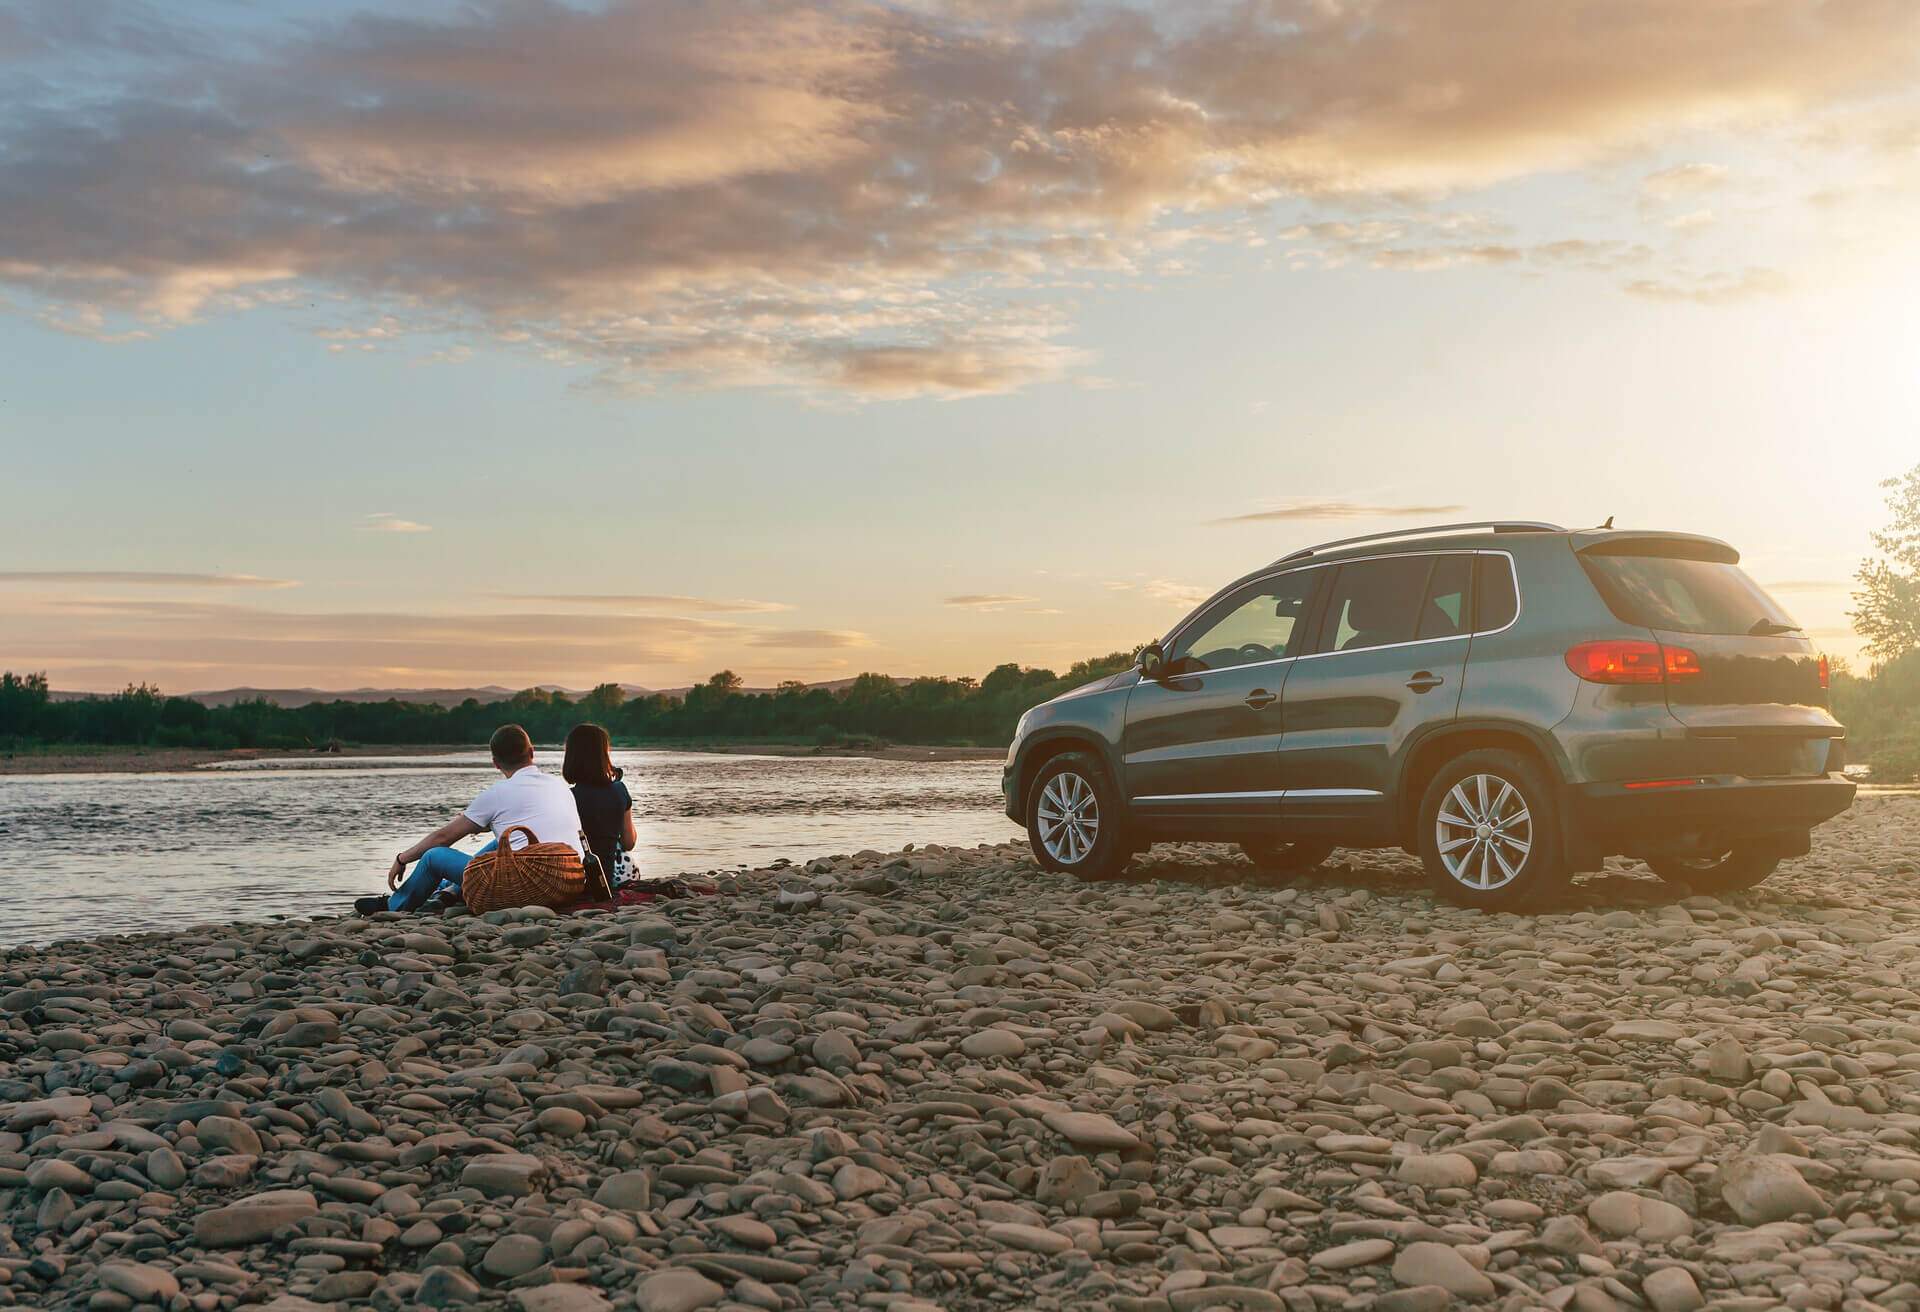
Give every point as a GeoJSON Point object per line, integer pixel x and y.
{"type": "Point", "coordinates": [1484, 832]}
{"type": "Point", "coordinates": [1068, 817]}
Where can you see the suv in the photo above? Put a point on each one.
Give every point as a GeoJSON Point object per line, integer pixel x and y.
{"type": "Point", "coordinates": [1513, 702]}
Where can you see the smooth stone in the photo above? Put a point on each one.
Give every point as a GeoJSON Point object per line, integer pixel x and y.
{"type": "Point", "coordinates": [676, 1290]}
{"type": "Point", "coordinates": [513, 1255]}
{"type": "Point", "coordinates": [253, 1219]}
{"type": "Point", "coordinates": [138, 1281]}
{"type": "Point", "coordinates": [1091, 1130]}
{"type": "Point", "coordinates": [1672, 1289]}
{"type": "Point", "coordinates": [1428, 1263]}
{"type": "Point", "coordinates": [1763, 1189]}
{"type": "Point", "coordinates": [629, 1191]}
{"type": "Point", "coordinates": [1438, 1171]}
{"type": "Point", "coordinates": [1361, 1252]}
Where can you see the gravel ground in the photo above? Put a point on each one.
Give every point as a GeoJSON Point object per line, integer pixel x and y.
{"type": "Point", "coordinates": [943, 1079]}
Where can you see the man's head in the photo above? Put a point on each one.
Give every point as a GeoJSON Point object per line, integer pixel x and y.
{"type": "Point", "coordinates": [512, 749]}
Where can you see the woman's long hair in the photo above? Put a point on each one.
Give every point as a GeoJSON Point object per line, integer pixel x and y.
{"type": "Point", "coordinates": [589, 758]}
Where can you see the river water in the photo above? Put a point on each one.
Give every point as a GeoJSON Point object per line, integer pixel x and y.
{"type": "Point", "coordinates": [89, 854]}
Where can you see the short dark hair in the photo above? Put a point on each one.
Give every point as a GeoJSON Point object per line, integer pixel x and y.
{"type": "Point", "coordinates": [589, 758]}
{"type": "Point", "coordinates": [511, 746]}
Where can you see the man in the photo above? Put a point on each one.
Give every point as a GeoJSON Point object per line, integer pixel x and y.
{"type": "Point", "coordinates": [527, 796]}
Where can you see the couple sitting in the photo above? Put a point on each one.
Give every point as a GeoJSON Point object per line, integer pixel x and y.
{"type": "Point", "coordinates": [593, 817]}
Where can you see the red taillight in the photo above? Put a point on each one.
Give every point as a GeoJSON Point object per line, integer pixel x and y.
{"type": "Point", "coordinates": [1630, 660]}
{"type": "Point", "coordinates": [1661, 783]}
{"type": "Point", "coordinates": [1826, 675]}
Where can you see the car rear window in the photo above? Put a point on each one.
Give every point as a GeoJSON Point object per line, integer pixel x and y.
{"type": "Point", "coordinates": [1687, 596]}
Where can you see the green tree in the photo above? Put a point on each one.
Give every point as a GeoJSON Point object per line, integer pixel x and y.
{"type": "Point", "coordinates": [603, 701]}
{"type": "Point", "coordinates": [1887, 603]}
{"type": "Point", "coordinates": [22, 700]}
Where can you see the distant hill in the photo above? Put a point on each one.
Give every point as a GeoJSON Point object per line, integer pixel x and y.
{"type": "Point", "coordinates": [493, 692]}
{"type": "Point", "coordinates": [291, 697]}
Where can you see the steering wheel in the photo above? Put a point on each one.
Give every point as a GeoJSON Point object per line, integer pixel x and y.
{"type": "Point", "coordinates": [1253, 651]}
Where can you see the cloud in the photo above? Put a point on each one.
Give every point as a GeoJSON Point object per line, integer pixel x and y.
{"type": "Point", "coordinates": [344, 648]}
{"type": "Point", "coordinates": [387, 522]}
{"type": "Point", "coordinates": [142, 578]}
{"type": "Point", "coordinates": [986, 601]}
{"type": "Point", "coordinates": [842, 198]}
{"type": "Point", "coordinates": [808, 639]}
{"type": "Point", "coordinates": [648, 601]}
{"type": "Point", "coordinates": [1166, 591]}
{"type": "Point", "coordinates": [1683, 180]}
{"type": "Point", "coordinates": [1717, 288]}
{"type": "Point", "coordinates": [1336, 510]}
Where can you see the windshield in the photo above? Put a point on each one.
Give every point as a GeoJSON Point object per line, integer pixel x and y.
{"type": "Point", "coordinates": [1689, 596]}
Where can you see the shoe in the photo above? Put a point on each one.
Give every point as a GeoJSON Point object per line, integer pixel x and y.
{"type": "Point", "coordinates": [369, 906]}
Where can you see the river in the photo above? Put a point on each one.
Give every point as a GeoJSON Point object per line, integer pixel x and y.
{"type": "Point", "coordinates": [90, 854]}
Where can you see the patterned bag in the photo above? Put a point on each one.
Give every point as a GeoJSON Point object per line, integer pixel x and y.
{"type": "Point", "coordinates": [537, 875]}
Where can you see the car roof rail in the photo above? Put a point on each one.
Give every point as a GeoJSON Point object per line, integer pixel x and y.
{"type": "Point", "coordinates": [1496, 525]}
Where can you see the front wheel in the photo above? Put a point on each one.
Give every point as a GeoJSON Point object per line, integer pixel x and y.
{"type": "Point", "coordinates": [1730, 872]}
{"type": "Point", "coordinates": [1489, 832]}
{"type": "Point", "coordinates": [1073, 819]}
{"type": "Point", "coordinates": [1277, 858]}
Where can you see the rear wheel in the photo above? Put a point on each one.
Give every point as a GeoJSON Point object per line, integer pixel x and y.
{"type": "Point", "coordinates": [1490, 831]}
{"type": "Point", "coordinates": [1073, 819]}
{"type": "Point", "coordinates": [1277, 858]}
{"type": "Point", "coordinates": [1729, 872]}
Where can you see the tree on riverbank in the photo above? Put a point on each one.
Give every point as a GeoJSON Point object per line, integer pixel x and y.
{"type": "Point", "coordinates": [872, 707]}
{"type": "Point", "coordinates": [1888, 601]}
{"type": "Point", "coordinates": [1882, 713]}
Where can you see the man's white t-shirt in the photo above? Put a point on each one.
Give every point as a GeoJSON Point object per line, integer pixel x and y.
{"type": "Point", "coordinates": [531, 797]}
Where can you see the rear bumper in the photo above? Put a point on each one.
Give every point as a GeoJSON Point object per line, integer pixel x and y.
{"type": "Point", "coordinates": [1717, 809]}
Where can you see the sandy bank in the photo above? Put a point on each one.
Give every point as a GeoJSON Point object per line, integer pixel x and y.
{"type": "Point", "coordinates": [944, 1079]}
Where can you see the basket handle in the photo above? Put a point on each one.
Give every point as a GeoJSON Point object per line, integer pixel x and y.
{"type": "Point", "coordinates": [506, 837]}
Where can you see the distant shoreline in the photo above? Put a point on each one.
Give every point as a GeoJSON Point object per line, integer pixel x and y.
{"type": "Point", "coordinates": [180, 760]}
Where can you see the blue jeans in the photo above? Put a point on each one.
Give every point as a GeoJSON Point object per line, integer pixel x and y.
{"type": "Point", "coordinates": [437, 866]}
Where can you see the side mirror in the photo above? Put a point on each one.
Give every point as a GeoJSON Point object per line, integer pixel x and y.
{"type": "Point", "coordinates": [1153, 661]}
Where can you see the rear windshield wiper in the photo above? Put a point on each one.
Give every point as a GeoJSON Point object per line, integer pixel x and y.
{"type": "Point", "coordinates": [1768, 628]}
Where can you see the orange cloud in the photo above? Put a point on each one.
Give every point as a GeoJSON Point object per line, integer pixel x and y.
{"type": "Point", "coordinates": [846, 197]}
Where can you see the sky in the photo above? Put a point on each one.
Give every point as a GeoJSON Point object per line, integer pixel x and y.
{"type": "Point", "coordinates": [514, 342]}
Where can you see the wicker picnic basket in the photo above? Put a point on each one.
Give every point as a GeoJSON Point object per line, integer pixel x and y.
{"type": "Point", "coordinates": [537, 875]}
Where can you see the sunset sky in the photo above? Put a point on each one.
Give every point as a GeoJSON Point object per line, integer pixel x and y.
{"type": "Point", "coordinates": [508, 342]}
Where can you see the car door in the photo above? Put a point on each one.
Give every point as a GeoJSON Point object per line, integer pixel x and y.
{"type": "Point", "coordinates": [1388, 657]}
{"type": "Point", "coordinates": [1203, 737]}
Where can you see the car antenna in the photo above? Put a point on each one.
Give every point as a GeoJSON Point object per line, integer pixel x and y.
{"type": "Point", "coordinates": [1609, 523]}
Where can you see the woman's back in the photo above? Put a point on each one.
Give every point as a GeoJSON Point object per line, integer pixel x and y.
{"type": "Point", "coordinates": [599, 793]}
{"type": "Point", "coordinates": [603, 814]}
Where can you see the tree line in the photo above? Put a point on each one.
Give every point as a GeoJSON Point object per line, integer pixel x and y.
{"type": "Point", "coordinates": [873, 707]}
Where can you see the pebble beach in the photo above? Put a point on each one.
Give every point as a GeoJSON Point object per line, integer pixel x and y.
{"type": "Point", "coordinates": [943, 1079]}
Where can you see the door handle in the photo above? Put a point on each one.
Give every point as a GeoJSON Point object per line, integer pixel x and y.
{"type": "Point", "coordinates": [1425, 681]}
{"type": "Point", "coordinates": [1260, 699]}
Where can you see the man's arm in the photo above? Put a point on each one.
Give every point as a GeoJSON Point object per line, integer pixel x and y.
{"type": "Point", "coordinates": [445, 836]}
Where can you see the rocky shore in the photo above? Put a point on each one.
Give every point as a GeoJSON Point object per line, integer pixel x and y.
{"type": "Point", "coordinates": [943, 1079]}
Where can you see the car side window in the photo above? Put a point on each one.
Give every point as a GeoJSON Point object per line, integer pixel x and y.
{"type": "Point", "coordinates": [1445, 612]}
{"type": "Point", "coordinates": [1263, 621]}
{"type": "Point", "coordinates": [1495, 604]}
{"type": "Point", "coordinates": [1376, 603]}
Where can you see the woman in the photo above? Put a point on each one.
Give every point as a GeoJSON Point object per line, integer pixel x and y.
{"type": "Point", "coordinates": [605, 805]}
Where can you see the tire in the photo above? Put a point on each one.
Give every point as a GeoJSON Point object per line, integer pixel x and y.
{"type": "Point", "coordinates": [1730, 872]}
{"type": "Point", "coordinates": [1074, 819]}
{"type": "Point", "coordinates": [1515, 860]}
{"type": "Point", "coordinates": [1273, 857]}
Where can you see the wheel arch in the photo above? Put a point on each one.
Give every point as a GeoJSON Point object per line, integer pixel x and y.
{"type": "Point", "coordinates": [1429, 754]}
{"type": "Point", "coordinates": [1045, 746]}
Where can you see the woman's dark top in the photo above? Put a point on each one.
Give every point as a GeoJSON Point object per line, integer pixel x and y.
{"type": "Point", "coordinates": [601, 808]}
